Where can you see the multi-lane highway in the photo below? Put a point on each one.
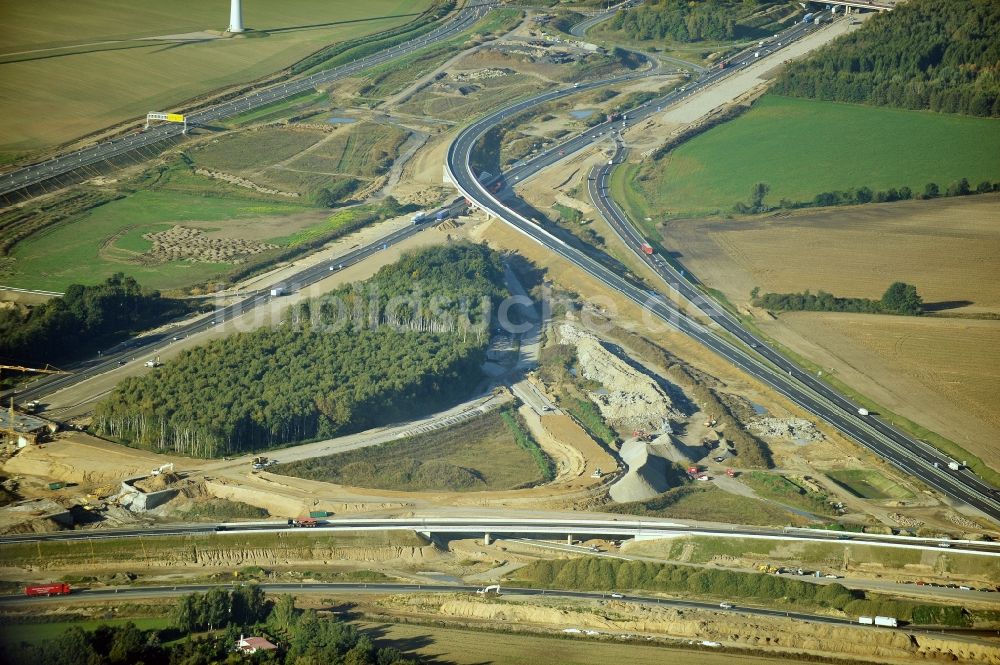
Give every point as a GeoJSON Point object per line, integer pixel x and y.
{"type": "Point", "coordinates": [46, 175]}
{"type": "Point", "coordinates": [750, 353]}
{"type": "Point", "coordinates": [510, 525]}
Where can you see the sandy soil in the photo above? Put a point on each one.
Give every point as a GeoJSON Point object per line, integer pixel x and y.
{"type": "Point", "coordinates": [771, 635]}
{"type": "Point", "coordinates": [939, 372]}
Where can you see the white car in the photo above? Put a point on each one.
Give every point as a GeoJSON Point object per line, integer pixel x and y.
{"type": "Point", "coordinates": [726, 606]}
{"type": "Point", "coordinates": [617, 595]}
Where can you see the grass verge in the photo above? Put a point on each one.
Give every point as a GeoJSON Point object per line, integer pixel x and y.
{"type": "Point", "coordinates": [482, 453]}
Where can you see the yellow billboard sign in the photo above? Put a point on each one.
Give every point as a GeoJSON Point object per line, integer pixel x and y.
{"type": "Point", "coordinates": [175, 117]}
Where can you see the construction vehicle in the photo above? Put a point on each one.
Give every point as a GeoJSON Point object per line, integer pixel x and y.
{"type": "Point", "coordinates": [731, 473]}
{"type": "Point", "coordinates": [155, 362]}
{"type": "Point", "coordinates": [711, 422]}
{"type": "Point", "coordinates": [693, 471]}
{"type": "Point", "coordinates": [164, 468]}
{"type": "Point", "coordinates": [58, 589]}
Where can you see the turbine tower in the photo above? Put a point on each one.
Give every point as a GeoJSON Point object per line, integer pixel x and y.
{"type": "Point", "coordinates": [235, 16]}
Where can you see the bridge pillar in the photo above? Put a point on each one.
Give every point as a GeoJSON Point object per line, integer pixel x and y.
{"type": "Point", "coordinates": [487, 539]}
{"type": "Point", "coordinates": [569, 539]}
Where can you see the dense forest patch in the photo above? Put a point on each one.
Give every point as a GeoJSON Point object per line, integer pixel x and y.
{"type": "Point", "coordinates": [408, 340]}
{"type": "Point", "coordinates": [925, 54]}
{"type": "Point", "coordinates": [83, 319]}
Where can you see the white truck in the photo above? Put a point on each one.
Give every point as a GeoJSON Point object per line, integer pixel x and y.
{"type": "Point", "coordinates": [419, 217]}
{"type": "Point", "coordinates": [954, 466]}
{"type": "Point", "coordinates": [887, 622]}
{"type": "Point", "coordinates": [862, 412]}
{"type": "Point", "coordinates": [277, 292]}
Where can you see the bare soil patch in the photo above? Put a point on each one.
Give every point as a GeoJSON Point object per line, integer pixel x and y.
{"type": "Point", "coordinates": [181, 242]}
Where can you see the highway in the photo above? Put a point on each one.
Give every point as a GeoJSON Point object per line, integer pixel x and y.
{"type": "Point", "coordinates": [35, 178]}
{"type": "Point", "coordinates": [137, 347]}
{"type": "Point", "coordinates": [558, 527]}
{"type": "Point", "coordinates": [349, 587]}
{"type": "Point", "coordinates": [749, 353]}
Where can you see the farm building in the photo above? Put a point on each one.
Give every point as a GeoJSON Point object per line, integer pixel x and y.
{"type": "Point", "coordinates": [25, 429]}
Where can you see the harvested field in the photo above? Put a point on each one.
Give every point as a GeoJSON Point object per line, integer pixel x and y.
{"type": "Point", "coordinates": [467, 647]}
{"type": "Point", "coordinates": [947, 248]}
{"type": "Point", "coordinates": [118, 59]}
{"type": "Point", "coordinates": [942, 373]}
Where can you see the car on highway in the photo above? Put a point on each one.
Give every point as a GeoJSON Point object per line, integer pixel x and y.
{"type": "Point", "coordinates": [617, 595]}
{"type": "Point", "coordinates": [122, 362]}
{"type": "Point", "coordinates": [726, 606]}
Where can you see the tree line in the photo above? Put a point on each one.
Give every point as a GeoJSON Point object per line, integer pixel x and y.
{"type": "Point", "coordinates": [900, 298]}
{"type": "Point", "coordinates": [302, 637]}
{"type": "Point", "coordinates": [925, 54]}
{"type": "Point", "coordinates": [603, 574]}
{"type": "Point", "coordinates": [862, 195]}
{"type": "Point", "coordinates": [83, 319]}
{"type": "Point", "coordinates": [410, 339]}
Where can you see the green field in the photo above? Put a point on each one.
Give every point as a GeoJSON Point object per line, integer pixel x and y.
{"type": "Point", "coordinates": [254, 149]}
{"type": "Point", "coordinates": [775, 487]}
{"type": "Point", "coordinates": [101, 242]}
{"type": "Point", "coordinates": [80, 67]}
{"type": "Point", "coordinates": [697, 502]}
{"type": "Point", "coordinates": [12, 635]}
{"type": "Point", "coordinates": [802, 148]}
{"type": "Point", "coordinates": [479, 454]}
{"type": "Point", "coordinates": [868, 484]}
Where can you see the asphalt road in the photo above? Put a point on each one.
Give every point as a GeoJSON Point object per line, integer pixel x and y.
{"type": "Point", "coordinates": [126, 593]}
{"type": "Point", "coordinates": [125, 352]}
{"type": "Point", "coordinates": [749, 353]}
{"type": "Point", "coordinates": [36, 178]}
{"type": "Point", "coordinates": [476, 525]}
{"type": "Point", "coordinates": [180, 590]}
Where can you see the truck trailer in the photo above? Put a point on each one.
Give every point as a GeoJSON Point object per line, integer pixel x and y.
{"type": "Point", "coordinates": [888, 622]}
{"type": "Point", "coordinates": [647, 249]}
{"type": "Point", "coordinates": [47, 590]}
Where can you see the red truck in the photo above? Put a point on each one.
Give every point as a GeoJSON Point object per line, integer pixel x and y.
{"type": "Point", "coordinates": [647, 248]}
{"type": "Point", "coordinates": [47, 590]}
